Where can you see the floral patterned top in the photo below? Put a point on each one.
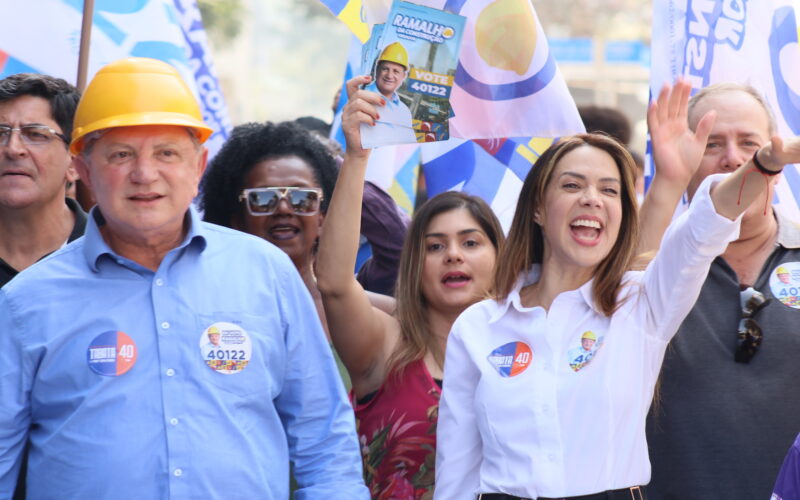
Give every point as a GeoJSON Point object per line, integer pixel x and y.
{"type": "Point", "coordinates": [397, 432]}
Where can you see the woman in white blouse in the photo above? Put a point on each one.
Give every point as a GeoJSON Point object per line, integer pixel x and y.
{"type": "Point", "coordinates": [548, 384]}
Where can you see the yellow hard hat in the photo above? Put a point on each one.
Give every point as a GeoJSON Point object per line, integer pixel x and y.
{"type": "Point", "coordinates": [588, 335]}
{"type": "Point", "coordinates": [213, 330]}
{"type": "Point", "coordinates": [781, 270]}
{"type": "Point", "coordinates": [396, 53]}
{"type": "Point", "coordinates": [136, 91]}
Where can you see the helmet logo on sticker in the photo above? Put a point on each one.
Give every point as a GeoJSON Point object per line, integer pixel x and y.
{"type": "Point", "coordinates": [226, 347]}
{"type": "Point", "coordinates": [581, 355]}
{"type": "Point", "coordinates": [784, 281]}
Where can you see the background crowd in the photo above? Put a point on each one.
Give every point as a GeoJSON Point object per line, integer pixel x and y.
{"type": "Point", "coordinates": [179, 335]}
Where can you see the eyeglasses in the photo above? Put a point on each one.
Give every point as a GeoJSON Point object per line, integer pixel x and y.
{"type": "Point", "coordinates": [750, 333]}
{"type": "Point", "coordinates": [265, 201]}
{"type": "Point", "coordinates": [30, 134]}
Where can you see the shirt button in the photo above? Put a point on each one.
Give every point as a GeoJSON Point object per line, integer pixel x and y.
{"type": "Point", "coordinates": [170, 372]}
{"type": "Point", "coordinates": [177, 472]}
{"type": "Point", "coordinates": [159, 282]}
{"type": "Point", "coordinates": [173, 421]}
{"type": "Point", "coordinates": [551, 457]}
{"type": "Point", "coordinates": [165, 325]}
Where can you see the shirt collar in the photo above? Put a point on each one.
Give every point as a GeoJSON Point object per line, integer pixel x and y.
{"type": "Point", "coordinates": [528, 278]}
{"type": "Point", "coordinates": [788, 231]}
{"type": "Point", "coordinates": [80, 219]}
{"type": "Point", "coordinates": [95, 246]}
{"type": "Point", "coordinates": [373, 87]}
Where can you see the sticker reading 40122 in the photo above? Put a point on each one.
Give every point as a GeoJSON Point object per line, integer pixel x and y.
{"type": "Point", "coordinates": [111, 354]}
{"type": "Point", "coordinates": [226, 347]}
{"type": "Point", "coordinates": [784, 281]}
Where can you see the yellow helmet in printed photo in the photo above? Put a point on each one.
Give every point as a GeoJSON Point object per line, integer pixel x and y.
{"type": "Point", "coordinates": [396, 53]}
{"type": "Point", "coordinates": [212, 330]}
{"type": "Point", "coordinates": [589, 335]}
{"type": "Point", "coordinates": [781, 270]}
{"type": "Point", "coordinates": [136, 91]}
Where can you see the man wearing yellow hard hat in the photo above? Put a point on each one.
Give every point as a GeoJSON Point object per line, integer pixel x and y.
{"type": "Point", "coordinates": [394, 123]}
{"type": "Point", "coordinates": [581, 355]}
{"type": "Point", "coordinates": [783, 275]}
{"type": "Point", "coordinates": [102, 362]}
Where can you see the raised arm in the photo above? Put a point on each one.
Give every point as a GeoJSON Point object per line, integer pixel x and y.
{"type": "Point", "coordinates": [362, 335]}
{"type": "Point", "coordinates": [677, 152]}
{"type": "Point", "coordinates": [747, 184]}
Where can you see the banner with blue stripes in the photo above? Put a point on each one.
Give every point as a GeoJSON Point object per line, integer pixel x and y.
{"type": "Point", "coordinates": [44, 37]}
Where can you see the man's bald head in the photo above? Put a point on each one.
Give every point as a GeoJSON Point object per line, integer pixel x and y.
{"type": "Point", "coordinates": [723, 88]}
{"type": "Point", "coordinates": [743, 124]}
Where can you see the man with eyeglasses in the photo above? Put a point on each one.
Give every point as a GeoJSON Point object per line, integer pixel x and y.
{"type": "Point", "coordinates": [104, 364]}
{"type": "Point", "coordinates": [36, 217]}
{"type": "Point", "coordinates": [728, 406]}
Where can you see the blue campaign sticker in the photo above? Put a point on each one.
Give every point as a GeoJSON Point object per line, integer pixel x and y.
{"type": "Point", "coordinates": [511, 359]}
{"type": "Point", "coordinates": [111, 354]}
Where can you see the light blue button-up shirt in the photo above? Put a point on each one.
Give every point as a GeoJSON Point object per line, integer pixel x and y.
{"type": "Point", "coordinates": [155, 420]}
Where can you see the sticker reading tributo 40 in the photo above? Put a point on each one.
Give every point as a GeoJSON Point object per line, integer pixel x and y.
{"type": "Point", "coordinates": [226, 347]}
{"type": "Point", "coordinates": [511, 359]}
{"type": "Point", "coordinates": [111, 354]}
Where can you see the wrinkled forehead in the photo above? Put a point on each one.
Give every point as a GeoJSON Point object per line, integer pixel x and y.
{"type": "Point", "coordinates": [738, 113]}
{"type": "Point", "coordinates": [27, 109]}
{"type": "Point", "coordinates": [137, 134]}
{"type": "Point", "coordinates": [390, 65]}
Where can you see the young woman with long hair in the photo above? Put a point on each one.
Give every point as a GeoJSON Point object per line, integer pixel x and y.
{"type": "Point", "coordinates": [395, 360]}
{"type": "Point", "coordinates": [547, 384]}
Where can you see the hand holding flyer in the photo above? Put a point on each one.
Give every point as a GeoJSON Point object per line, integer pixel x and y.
{"type": "Point", "coordinates": [359, 114]}
{"type": "Point", "coordinates": [413, 58]}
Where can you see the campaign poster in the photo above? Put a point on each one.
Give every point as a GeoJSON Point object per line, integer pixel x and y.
{"type": "Point", "coordinates": [413, 62]}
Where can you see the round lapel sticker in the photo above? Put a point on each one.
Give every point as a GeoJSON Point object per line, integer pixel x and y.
{"type": "Point", "coordinates": [784, 281]}
{"type": "Point", "coordinates": [581, 355]}
{"type": "Point", "coordinates": [511, 359]}
{"type": "Point", "coordinates": [111, 354]}
{"type": "Point", "coordinates": [226, 347]}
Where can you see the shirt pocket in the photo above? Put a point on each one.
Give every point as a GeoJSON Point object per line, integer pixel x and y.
{"type": "Point", "coordinates": [247, 356]}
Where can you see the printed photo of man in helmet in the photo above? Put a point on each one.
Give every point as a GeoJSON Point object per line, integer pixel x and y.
{"type": "Point", "coordinates": [581, 355]}
{"type": "Point", "coordinates": [394, 125]}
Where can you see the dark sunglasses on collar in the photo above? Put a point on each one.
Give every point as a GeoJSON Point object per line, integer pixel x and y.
{"type": "Point", "coordinates": [750, 333]}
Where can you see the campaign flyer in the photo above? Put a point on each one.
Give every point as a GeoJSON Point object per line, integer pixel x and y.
{"type": "Point", "coordinates": [413, 60]}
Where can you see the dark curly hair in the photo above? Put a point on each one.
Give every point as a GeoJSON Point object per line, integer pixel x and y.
{"type": "Point", "coordinates": [250, 144]}
{"type": "Point", "coordinates": [62, 96]}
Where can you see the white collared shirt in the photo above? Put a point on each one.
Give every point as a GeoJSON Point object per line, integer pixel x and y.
{"type": "Point", "coordinates": [551, 423]}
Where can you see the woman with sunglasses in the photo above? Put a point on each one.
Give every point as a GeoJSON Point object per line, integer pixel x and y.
{"type": "Point", "coordinates": [274, 181]}
{"type": "Point", "coordinates": [395, 360]}
{"type": "Point", "coordinates": [548, 384]}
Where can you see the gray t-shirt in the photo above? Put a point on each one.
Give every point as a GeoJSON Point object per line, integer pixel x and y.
{"type": "Point", "coordinates": [720, 429]}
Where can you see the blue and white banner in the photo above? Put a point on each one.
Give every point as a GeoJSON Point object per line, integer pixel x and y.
{"type": "Point", "coordinates": [44, 37]}
{"type": "Point", "coordinates": [493, 169]}
{"type": "Point", "coordinates": [746, 41]}
{"type": "Point", "coordinates": [507, 85]}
